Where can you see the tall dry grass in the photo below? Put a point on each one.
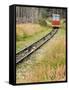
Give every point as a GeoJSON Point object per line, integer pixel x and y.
{"type": "Point", "coordinates": [28, 29]}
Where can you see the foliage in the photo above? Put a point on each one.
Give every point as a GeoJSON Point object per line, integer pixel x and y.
{"type": "Point", "coordinates": [42, 22]}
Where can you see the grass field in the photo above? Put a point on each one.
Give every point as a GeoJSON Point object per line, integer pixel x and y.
{"type": "Point", "coordinates": [26, 34]}
{"type": "Point", "coordinates": [48, 63]}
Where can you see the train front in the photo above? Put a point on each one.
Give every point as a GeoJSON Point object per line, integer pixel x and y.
{"type": "Point", "coordinates": [55, 21]}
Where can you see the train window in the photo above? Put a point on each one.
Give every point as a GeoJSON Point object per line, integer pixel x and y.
{"type": "Point", "coordinates": [53, 17]}
{"type": "Point", "coordinates": [56, 17]}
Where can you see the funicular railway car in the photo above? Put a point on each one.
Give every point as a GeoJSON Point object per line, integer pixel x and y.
{"type": "Point", "coordinates": [56, 21]}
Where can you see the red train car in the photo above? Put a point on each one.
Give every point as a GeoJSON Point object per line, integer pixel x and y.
{"type": "Point", "coordinates": [56, 21]}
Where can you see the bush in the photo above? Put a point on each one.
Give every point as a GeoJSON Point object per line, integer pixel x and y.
{"type": "Point", "coordinates": [42, 22]}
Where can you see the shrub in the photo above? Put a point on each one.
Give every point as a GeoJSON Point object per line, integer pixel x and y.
{"type": "Point", "coordinates": [42, 22]}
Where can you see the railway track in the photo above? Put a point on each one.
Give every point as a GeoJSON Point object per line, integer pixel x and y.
{"type": "Point", "coordinates": [30, 49]}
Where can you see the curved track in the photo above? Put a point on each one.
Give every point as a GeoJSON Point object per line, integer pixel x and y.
{"type": "Point", "coordinates": [30, 49]}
